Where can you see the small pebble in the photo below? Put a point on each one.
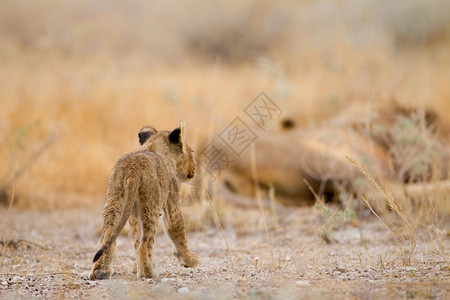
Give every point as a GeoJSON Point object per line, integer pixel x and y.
{"type": "Point", "coordinates": [183, 290]}
{"type": "Point", "coordinates": [302, 282]}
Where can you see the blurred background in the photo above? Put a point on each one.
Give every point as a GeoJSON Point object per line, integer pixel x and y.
{"type": "Point", "coordinates": [78, 79]}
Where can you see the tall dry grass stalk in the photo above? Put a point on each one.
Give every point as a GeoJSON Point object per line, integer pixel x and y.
{"type": "Point", "coordinates": [437, 235]}
{"type": "Point", "coordinates": [319, 232]}
{"type": "Point", "coordinates": [216, 216]}
{"type": "Point", "coordinates": [259, 198]}
{"type": "Point", "coordinates": [399, 207]}
{"type": "Point", "coordinates": [5, 242]}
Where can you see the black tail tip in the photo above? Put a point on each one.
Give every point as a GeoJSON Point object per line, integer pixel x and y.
{"type": "Point", "coordinates": [98, 255]}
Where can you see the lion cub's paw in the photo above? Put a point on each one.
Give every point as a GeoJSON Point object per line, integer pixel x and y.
{"type": "Point", "coordinates": [188, 260]}
{"type": "Point", "coordinates": [99, 274]}
{"type": "Point", "coordinates": [147, 273]}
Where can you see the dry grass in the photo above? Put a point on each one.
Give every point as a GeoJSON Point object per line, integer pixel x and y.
{"type": "Point", "coordinates": [94, 117]}
{"type": "Point", "coordinates": [386, 204]}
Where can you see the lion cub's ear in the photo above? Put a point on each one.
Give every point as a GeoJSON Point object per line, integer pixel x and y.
{"type": "Point", "coordinates": [145, 133]}
{"type": "Point", "coordinates": [176, 136]}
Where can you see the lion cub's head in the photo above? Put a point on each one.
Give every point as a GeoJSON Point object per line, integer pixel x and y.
{"type": "Point", "coordinates": [172, 145]}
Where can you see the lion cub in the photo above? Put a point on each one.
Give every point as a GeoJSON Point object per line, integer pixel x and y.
{"type": "Point", "coordinates": [142, 186]}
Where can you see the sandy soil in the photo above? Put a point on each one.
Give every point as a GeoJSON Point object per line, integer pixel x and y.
{"type": "Point", "coordinates": [49, 254]}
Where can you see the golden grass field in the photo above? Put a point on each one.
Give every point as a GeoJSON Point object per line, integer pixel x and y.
{"type": "Point", "coordinates": [78, 80]}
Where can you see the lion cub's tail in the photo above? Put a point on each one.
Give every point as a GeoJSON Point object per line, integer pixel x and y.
{"type": "Point", "coordinates": [130, 196]}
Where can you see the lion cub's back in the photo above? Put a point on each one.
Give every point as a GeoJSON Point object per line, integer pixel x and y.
{"type": "Point", "coordinates": [146, 167]}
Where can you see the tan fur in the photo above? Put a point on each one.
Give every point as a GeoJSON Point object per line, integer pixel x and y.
{"type": "Point", "coordinates": [142, 185]}
{"type": "Point", "coordinates": [284, 158]}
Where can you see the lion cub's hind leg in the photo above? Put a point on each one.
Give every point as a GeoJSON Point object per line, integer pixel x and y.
{"type": "Point", "coordinates": [149, 214]}
{"type": "Point", "coordinates": [136, 232]}
{"type": "Point", "coordinates": [174, 228]}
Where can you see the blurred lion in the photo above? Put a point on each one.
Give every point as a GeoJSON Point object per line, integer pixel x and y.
{"type": "Point", "coordinates": [403, 147]}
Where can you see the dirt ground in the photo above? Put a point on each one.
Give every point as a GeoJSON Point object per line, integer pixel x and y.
{"type": "Point", "coordinates": [49, 255]}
